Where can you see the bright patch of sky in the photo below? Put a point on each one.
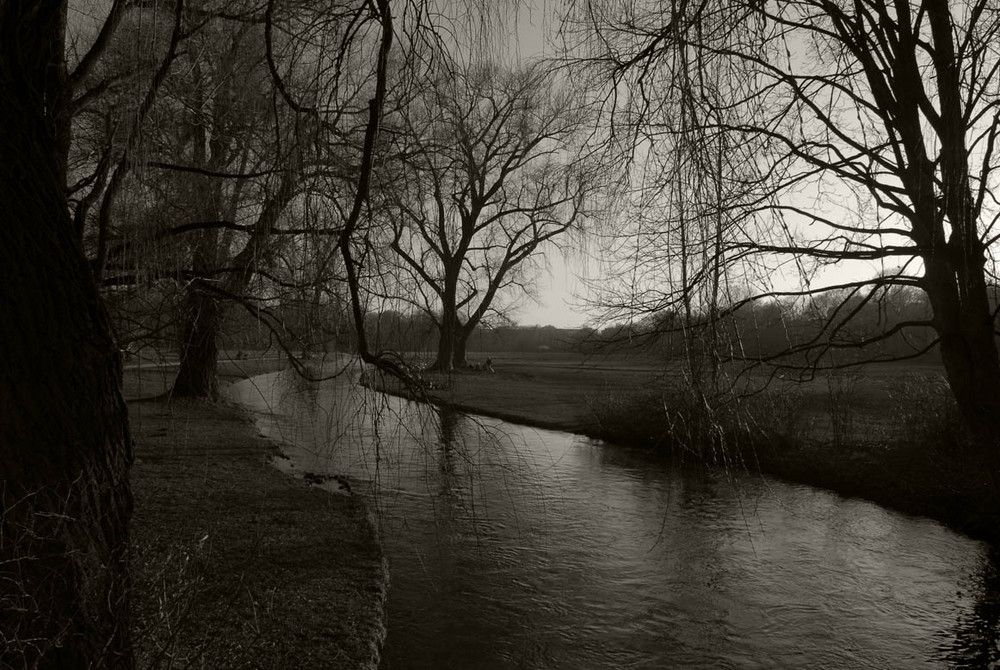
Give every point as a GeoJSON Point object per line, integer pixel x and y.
{"type": "Point", "coordinates": [560, 296]}
{"type": "Point", "coordinates": [560, 288]}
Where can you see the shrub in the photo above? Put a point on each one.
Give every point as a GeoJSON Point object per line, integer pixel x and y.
{"type": "Point", "coordinates": [715, 428]}
{"type": "Point", "coordinates": [927, 415]}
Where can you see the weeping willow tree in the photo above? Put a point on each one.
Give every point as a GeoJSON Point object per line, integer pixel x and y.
{"type": "Point", "coordinates": [221, 167]}
{"type": "Point", "coordinates": [230, 188]}
{"type": "Point", "coordinates": [243, 176]}
{"type": "Point", "coordinates": [245, 179]}
{"type": "Point", "coordinates": [872, 129]}
{"type": "Point", "coordinates": [674, 270]}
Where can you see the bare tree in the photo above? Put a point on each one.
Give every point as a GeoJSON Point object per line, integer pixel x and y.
{"type": "Point", "coordinates": [64, 487]}
{"type": "Point", "coordinates": [315, 156]}
{"type": "Point", "coordinates": [231, 129]}
{"type": "Point", "coordinates": [489, 171]}
{"type": "Point", "coordinates": [873, 126]}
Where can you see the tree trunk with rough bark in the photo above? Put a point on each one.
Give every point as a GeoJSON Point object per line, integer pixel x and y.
{"type": "Point", "coordinates": [446, 343]}
{"type": "Point", "coordinates": [458, 355]}
{"type": "Point", "coordinates": [66, 449]}
{"type": "Point", "coordinates": [964, 323]}
{"type": "Point", "coordinates": [450, 326]}
{"type": "Point", "coordinates": [197, 375]}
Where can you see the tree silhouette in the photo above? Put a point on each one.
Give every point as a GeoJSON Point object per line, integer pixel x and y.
{"type": "Point", "coordinates": [488, 172]}
{"type": "Point", "coordinates": [64, 485]}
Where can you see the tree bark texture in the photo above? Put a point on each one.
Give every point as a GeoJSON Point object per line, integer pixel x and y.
{"type": "Point", "coordinates": [197, 376]}
{"type": "Point", "coordinates": [446, 342]}
{"type": "Point", "coordinates": [450, 325]}
{"type": "Point", "coordinates": [65, 447]}
{"type": "Point", "coordinates": [458, 355]}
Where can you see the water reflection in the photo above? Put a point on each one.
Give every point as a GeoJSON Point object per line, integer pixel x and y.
{"type": "Point", "coordinates": [976, 641]}
{"type": "Point", "coordinates": [513, 547]}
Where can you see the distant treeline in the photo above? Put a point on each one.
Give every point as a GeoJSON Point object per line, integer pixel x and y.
{"type": "Point", "coordinates": [417, 333]}
{"type": "Point", "coordinates": [831, 328]}
{"type": "Point", "coordinates": [153, 319]}
{"type": "Point", "coordinates": [837, 327]}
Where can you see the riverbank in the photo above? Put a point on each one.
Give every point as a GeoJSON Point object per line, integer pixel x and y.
{"type": "Point", "coordinates": [862, 434]}
{"type": "Point", "coordinates": [236, 564]}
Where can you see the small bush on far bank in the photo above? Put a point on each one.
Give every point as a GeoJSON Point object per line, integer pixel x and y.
{"type": "Point", "coordinates": [903, 444]}
{"type": "Point", "coordinates": [927, 415]}
{"type": "Point", "coordinates": [719, 429]}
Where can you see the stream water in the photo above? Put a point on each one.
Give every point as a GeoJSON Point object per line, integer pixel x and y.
{"type": "Point", "coordinates": [511, 547]}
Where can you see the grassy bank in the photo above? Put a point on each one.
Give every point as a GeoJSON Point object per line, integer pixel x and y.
{"type": "Point", "coordinates": [235, 564]}
{"type": "Point", "coordinates": [546, 391]}
{"type": "Point", "coordinates": [885, 433]}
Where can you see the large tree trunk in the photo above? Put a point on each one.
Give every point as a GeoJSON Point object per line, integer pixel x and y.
{"type": "Point", "coordinates": [450, 326]}
{"type": "Point", "coordinates": [458, 357]}
{"type": "Point", "coordinates": [446, 342]}
{"type": "Point", "coordinates": [66, 449]}
{"type": "Point", "coordinates": [197, 376]}
{"type": "Point", "coordinates": [964, 323]}
{"type": "Point", "coordinates": [945, 225]}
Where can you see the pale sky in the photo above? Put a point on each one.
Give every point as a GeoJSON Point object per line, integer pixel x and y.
{"type": "Point", "coordinates": [560, 290]}
{"type": "Point", "coordinates": [562, 293]}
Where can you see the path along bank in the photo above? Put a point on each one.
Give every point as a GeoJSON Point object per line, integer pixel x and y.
{"type": "Point", "coordinates": [236, 564]}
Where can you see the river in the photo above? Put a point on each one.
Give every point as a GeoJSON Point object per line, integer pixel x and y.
{"type": "Point", "coordinates": [512, 547]}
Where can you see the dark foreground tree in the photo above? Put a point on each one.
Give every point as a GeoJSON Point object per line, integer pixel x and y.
{"type": "Point", "coordinates": [64, 441]}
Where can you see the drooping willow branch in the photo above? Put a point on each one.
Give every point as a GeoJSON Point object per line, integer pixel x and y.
{"type": "Point", "coordinates": [375, 108]}
{"type": "Point", "coordinates": [143, 110]}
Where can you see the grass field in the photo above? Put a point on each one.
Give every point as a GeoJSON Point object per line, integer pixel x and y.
{"type": "Point", "coordinates": [559, 390]}
{"type": "Point", "coordinates": [545, 390]}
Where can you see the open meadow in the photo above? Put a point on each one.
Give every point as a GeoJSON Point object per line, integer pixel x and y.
{"type": "Point", "coordinates": [858, 406]}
